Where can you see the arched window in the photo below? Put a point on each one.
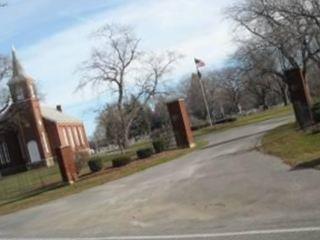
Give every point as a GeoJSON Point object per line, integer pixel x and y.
{"type": "Point", "coordinates": [19, 93]}
{"type": "Point", "coordinates": [76, 136]}
{"type": "Point", "coordinates": [44, 140]}
{"type": "Point", "coordinates": [4, 154]}
{"type": "Point", "coordinates": [81, 136]}
{"type": "Point", "coordinates": [32, 93]}
{"type": "Point", "coordinates": [70, 135]}
{"type": "Point", "coordinates": [33, 151]}
{"type": "Point", "coordinates": [65, 137]}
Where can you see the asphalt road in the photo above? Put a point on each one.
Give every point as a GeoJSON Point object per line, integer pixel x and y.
{"type": "Point", "coordinates": [228, 190]}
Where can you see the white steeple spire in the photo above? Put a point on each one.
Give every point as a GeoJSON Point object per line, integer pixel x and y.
{"type": "Point", "coordinates": [17, 69]}
{"type": "Point", "coordinates": [18, 73]}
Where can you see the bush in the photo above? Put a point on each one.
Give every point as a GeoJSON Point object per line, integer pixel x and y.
{"type": "Point", "coordinates": [164, 136]}
{"type": "Point", "coordinates": [81, 160]}
{"type": "Point", "coordinates": [144, 153]}
{"type": "Point", "coordinates": [95, 164]}
{"type": "Point", "coordinates": [120, 161]}
{"type": "Point", "coordinates": [159, 145]}
{"type": "Point", "coordinates": [316, 111]}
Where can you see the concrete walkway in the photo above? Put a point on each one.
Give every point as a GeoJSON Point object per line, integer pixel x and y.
{"type": "Point", "coordinates": [227, 187]}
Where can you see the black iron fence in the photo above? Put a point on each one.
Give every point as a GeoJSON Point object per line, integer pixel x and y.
{"type": "Point", "coordinates": [28, 183]}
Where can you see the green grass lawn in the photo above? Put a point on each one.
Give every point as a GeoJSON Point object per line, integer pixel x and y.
{"type": "Point", "coordinates": [292, 145]}
{"type": "Point", "coordinates": [86, 181]}
{"type": "Point", "coordinates": [245, 120]}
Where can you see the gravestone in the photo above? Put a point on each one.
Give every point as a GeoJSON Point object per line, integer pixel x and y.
{"type": "Point", "coordinates": [67, 165]}
{"type": "Point", "coordinates": [300, 97]}
{"type": "Point", "coordinates": [181, 123]}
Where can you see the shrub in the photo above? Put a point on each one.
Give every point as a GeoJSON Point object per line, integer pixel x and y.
{"type": "Point", "coordinates": [144, 153]}
{"type": "Point", "coordinates": [81, 160]}
{"type": "Point", "coordinates": [316, 111]}
{"type": "Point", "coordinates": [120, 161]}
{"type": "Point", "coordinates": [159, 145]}
{"type": "Point", "coordinates": [95, 164]}
{"type": "Point", "coordinates": [164, 136]}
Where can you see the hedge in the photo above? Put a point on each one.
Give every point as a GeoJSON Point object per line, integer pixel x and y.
{"type": "Point", "coordinates": [144, 153]}
{"type": "Point", "coordinates": [95, 164]}
{"type": "Point", "coordinates": [159, 145]}
{"type": "Point", "coordinates": [120, 161]}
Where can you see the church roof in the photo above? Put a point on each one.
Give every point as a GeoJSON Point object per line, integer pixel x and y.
{"type": "Point", "coordinates": [56, 116]}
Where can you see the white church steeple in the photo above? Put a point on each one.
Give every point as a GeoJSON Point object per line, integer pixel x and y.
{"type": "Point", "coordinates": [21, 85]}
{"type": "Point", "coordinates": [17, 69]}
{"type": "Point", "coordinates": [18, 73]}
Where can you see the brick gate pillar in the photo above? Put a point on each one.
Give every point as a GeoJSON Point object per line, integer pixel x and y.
{"type": "Point", "coordinates": [300, 97]}
{"type": "Point", "coordinates": [181, 123]}
{"type": "Point", "coordinates": [67, 165]}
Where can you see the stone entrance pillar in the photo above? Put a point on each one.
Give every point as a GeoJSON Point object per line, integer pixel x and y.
{"type": "Point", "coordinates": [300, 97]}
{"type": "Point", "coordinates": [67, 165]}
{"type": "Point", "coordinates": [181, 123]}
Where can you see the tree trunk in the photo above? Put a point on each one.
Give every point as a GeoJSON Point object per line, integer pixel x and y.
{"type": "Point", "coordinates": [284, 94]}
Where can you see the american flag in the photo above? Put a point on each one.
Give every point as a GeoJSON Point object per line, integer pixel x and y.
{"type": "Point", "coordinates": [199, 63]}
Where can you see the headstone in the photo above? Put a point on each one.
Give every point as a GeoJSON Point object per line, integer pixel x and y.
{"type": "Point", "coordinates": [181, 123]}
{"type": "Point", "coordinates": [67, 165]}
{"type": "Point", "coordinates": [300, 97]}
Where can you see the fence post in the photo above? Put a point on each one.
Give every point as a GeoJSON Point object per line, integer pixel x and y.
{"type": "Point", "coordinates": [67, 166]}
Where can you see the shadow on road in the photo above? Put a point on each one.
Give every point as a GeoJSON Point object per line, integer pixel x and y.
{"type": "Point", "coordinates": [315, 164]}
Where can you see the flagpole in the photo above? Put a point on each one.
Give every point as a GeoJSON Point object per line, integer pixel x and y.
{"type": "Point", "coordinates": [204, 97]}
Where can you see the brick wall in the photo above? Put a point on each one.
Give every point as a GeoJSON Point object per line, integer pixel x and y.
{"type": "Point", "coordinates": [180, 123]}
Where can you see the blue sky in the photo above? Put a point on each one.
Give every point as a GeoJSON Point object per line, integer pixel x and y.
{"type": "Point", "coordinates": [52, 39]}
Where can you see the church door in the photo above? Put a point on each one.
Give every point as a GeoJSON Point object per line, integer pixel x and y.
{"type": "Point", "coordinates": [34, 151]}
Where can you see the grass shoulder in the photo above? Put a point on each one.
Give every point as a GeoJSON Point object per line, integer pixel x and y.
{"type": "Point", "coordinates": [295, 147]}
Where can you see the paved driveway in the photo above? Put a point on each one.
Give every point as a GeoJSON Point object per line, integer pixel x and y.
{"type": "Point", "coordinates": [226, 191]}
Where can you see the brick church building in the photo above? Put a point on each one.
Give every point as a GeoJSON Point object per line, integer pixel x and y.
{"type": "Point", "coordinates": [29, 132]}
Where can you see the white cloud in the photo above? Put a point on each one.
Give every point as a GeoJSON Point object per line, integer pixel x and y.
{"type": "Point", "coordinates": [195, 28]}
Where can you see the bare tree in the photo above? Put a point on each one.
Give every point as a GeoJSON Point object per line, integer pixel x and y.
{"type": "Point", "coordinates": [306, 15]}
{"type": "Point", "coordinates": [5, 67]}
{"type": "Point", "coordinates": [119, 65]}
{"type": "Point", "coordinates": [189, 88]}
{"type": "Point", "coordinates": [109, 121]}
{"type": "Point", "coordinates": [261, 71]}
{"type": "Point", "coordinates": [3, 4]}
{"type": "Point", "coordinates": [231, 85]}
{"type": "Point", "coordinates": [272, 24]}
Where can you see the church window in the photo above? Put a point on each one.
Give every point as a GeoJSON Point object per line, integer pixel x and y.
{"type": "Point", "coordinates": [2, 159]}
{"type": "Point", "coordinates": [65, 137]}
{"type": "Point", "coordinates": [76, 136]}
{"type": "Point", "coordinates": [4, 154]}
{"type": "Point", "coordinates": [81, 135]}
{"type": "Point", "coordinates": [32, 94]}
{"type": "Point", "coordinates": [45, 143]}
{"type": "Point", "coordinates": [70, 137]}
{"type": "Point", "coordinates": [19, 93]}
